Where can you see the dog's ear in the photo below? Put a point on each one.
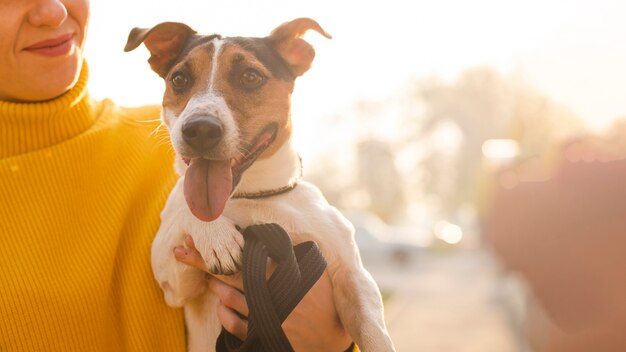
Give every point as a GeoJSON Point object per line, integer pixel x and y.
{"type": "Point", "coordinates": [287, 40]}
{"type": "Point", "coordinates": [165, 41]}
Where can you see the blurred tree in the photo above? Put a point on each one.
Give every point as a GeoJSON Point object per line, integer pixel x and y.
{"type": "Point", "coordinates": [435, 134]}
{"type": "Point", "coordinates": [483, 105]}
{"type": "Point", "coordinates": [378, 175]}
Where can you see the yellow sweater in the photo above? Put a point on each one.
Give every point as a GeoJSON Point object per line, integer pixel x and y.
{"type": "Point", "coordinates": [82, 184]}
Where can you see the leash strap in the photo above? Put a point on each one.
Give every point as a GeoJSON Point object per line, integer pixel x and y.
{"type": "Point", "coordinates": [270, 301]}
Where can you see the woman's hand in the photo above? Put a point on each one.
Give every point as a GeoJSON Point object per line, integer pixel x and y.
{"type": "Point", "coordinates": [313, 325]}
{"type": "Point", "coordinates": [565, 234]}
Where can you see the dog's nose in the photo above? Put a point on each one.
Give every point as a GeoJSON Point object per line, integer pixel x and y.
{"type": "Point", "coordinates": [202, 132]}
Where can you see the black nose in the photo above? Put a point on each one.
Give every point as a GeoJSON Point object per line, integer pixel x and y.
{"type": "Point", "coordinates": [202, 132]}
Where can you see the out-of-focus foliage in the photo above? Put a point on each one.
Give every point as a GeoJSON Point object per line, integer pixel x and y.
{"type": "Point", "coordinates": [484, 105]}
{"type": "Point", "coordinates": [442, 127]}
{"type": "Point", "coordinates": [378, 176]}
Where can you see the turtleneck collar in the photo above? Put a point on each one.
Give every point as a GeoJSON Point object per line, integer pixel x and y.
{"type": "Point", "coordinates": [27, 127]}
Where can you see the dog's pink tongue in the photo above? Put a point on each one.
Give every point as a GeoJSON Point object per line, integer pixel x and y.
{"type": "Point", "coordinates": [208, 184]}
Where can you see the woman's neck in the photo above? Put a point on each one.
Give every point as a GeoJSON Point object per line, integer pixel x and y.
{"type": "Point", "coordinates": [27, 127]}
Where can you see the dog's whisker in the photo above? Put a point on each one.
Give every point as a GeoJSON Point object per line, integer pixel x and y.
{"type": "Point", "coordinates": [157, 129]}
{"type": "Point", "coordinates": [144, 122]}
{"type": "Point", "coordinates": [161, 138]}
{"type": "Point", "coordinates": [150, 121]}
{"type": "Point", "coordinates": [243, 151]}
{"type": "Point", "coordinates": [161, 143]}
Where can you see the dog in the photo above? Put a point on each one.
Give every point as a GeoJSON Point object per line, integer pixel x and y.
{"type": "Point", "coordinates": [227, 109]}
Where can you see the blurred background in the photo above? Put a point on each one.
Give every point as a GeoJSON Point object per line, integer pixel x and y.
{"type": "Point", "coordinates": [459, 138]}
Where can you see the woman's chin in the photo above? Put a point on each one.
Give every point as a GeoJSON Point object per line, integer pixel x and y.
{"type": "Point", "coordinates": [52, 83]}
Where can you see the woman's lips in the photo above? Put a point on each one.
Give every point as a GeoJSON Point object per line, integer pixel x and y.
{"type": "Point", "coordinates": [53, 47]}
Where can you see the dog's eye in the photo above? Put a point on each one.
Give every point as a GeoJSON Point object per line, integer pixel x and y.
{"type": "Point", "coordinates": [179, 81]}
{"type": "Point", "coordinates": [251, 79]}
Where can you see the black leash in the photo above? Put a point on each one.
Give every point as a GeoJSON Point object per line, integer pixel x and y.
{"type": "Point", "coordinates": [270, 301]}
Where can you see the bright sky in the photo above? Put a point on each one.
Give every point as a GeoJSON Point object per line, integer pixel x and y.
{"type": "Point", "coordinates": [573, 51]}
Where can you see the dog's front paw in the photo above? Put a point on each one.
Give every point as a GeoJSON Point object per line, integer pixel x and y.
{"type": "Point", "coordinates": [221, 249]}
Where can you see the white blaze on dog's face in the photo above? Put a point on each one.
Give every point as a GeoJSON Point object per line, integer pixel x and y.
{"type": "Point", "coordinates": [227, 100]}
{"type": "Point", "coordinates": [192, 95]}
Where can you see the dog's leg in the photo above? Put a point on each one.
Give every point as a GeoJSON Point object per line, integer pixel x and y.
{"type": "Point", "coordinates": [360, 308]}
{"type": "Point", "coordinates": [203, 326]}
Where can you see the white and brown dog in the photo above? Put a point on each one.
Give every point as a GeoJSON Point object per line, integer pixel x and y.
{"type": "Point", "coordinates": [227, 107]}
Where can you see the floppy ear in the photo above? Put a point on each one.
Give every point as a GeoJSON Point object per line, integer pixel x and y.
{"type": "Point", "coordinates": [287, 40]}
{"type": "Point", "coordinates": [165, 41]}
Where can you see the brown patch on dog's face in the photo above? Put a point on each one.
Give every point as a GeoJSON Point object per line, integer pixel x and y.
{"type": "Point", "coordinates": [253, 92]}
{"type": "Point", "coordinates": [186, 78]}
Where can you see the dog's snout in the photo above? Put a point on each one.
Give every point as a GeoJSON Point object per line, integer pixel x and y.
{"type": "Point", "coordinates": [202, 132]}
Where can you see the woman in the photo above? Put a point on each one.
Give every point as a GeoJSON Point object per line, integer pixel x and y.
{"type": "Point", "coordinates": [82, 184]}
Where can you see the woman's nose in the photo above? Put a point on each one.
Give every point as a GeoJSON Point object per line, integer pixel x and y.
{"type": "Point", "coordinates": [48, 13]}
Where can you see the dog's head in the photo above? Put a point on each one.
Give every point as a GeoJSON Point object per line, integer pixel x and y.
{"type": "Point", "coordinates": [227, 100]}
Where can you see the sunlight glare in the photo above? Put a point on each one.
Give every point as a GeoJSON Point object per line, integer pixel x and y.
{"type": "Point", "coordinates": [448, 232]}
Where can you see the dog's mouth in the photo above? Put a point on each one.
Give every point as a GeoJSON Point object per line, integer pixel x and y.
{"type": "Point", "coordinates": [209, 183]}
